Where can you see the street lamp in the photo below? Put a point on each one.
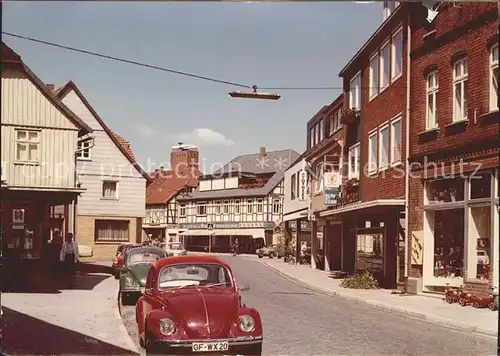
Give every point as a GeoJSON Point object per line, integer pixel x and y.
{"type": "Point", "coordinates": [255, 95]}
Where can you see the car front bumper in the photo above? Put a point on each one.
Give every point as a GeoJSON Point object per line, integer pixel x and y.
{"type": "Point", "coordinates": [238, 346]}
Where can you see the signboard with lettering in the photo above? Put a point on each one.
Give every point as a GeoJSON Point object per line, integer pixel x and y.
{"type": "Point", "coordinates": [229, 225]}
{"type": "Point", "coordinates": [302, 185]}
{"type": "Point", "coordinates": [331, 196]}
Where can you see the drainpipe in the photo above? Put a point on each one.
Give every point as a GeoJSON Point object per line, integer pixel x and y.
{"type": "Point", "coordinates": [75, 178]}
{"type": "Point", "coordinates": [407, 153]}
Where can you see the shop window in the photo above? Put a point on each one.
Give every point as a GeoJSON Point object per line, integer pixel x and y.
{"type": "Point", "coordinates": [479, 242]}
{"type": "Point", "coordinates": [370, 253]}
{"type": "Point", "coordinates": [449, 243]}
{"type": "Point", "coordinates": [111, 230]}
{"type": "Point", "coordinates": [445, 190]}
{"type": "Point", "coordinates": [480, 186]}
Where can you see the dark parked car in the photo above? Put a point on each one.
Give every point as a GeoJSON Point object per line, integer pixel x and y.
{"type": "Point", "coordinates": [271, 251]}
{"type": "Point", "coordinates": [137, 264]}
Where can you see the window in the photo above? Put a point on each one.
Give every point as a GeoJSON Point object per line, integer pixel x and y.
{"type": "Point", "coordinates": [226, 206]}
{"type": "Point", "coordinates": [83, 152]}
{"type": "Point", "coordinates": [385, 65]}
{"type": "Point", "coordinates": [276, 206]}
{"type": "Point", "coordinates": [27, 146]}
{"type": "Point", "coordinates": [354, 161]}
{"type": "Point", "coordinates": [397, 54]}
{"type": "Point", "coordinates": [182, 210]}
{"type": "Point", "coordinates": [383, 147]}
{"type": "Point", "coordinates": [321, 129]}
{"type": "Point", "coordinates": [374, 66]}
{"type": "Point", "coordinates": [237, 206]}
{"type": "Point", "coordinates": [396, 131]}
{"type": "Point", "coordinates": [480, 233]}
{"type": "Point", "coordinates": [217, 207]}
{"type": "Point", "coordinates": [460, 77]}
{"type": "Point", "coordinates": [494, 78]}
{"type": "Point", "coordinates": [372, 164]}
{"type": "Point", "coordinates": [109, 190]}
{"type": "Point", "coordinates": [111, 230]}
{"type": "Point", "coordinates": [355, 92]}
{"type": "Point", "coordinates": [260, 206]}
{"type": "Point", "coordinates": [335, 122]}
{"type": "Point", "coordinates": [201, 209]}
{"type": "Point", "coordinates": [319, 179]}
{"type": "Point", "coordinates": [389, 7]}
{"type": "Point", "coordinates": [249, 206]}
{"type": "Point", "coordinates": [293, 186]}
{"type": "Point", "coordinates": [311, 137]}
{"type": "Point", "coordinates": [432, 100]}
{"type": "Point", "coordinates": [318, 132]}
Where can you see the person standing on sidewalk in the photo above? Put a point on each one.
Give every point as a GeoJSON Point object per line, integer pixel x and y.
{"type": "Point", "coordinates": [69, 257]}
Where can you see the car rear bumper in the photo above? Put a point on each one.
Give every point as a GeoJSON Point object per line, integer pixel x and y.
{"type": "Point", "coordinates": [240, 346]}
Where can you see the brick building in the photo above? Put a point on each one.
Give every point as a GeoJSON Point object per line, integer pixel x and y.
{"type": "Point", "coordinates": [453, 218]}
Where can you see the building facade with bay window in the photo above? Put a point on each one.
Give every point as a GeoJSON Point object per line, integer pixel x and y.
{"type": "Point", "coordinates": [453, 200]}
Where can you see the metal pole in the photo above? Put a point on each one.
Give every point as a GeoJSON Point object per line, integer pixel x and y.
{"type": "Point", "coordinates": [498, 247]}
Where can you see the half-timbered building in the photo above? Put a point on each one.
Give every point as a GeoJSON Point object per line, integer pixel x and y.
{"type": "Point", "coordinates": [243, 200]}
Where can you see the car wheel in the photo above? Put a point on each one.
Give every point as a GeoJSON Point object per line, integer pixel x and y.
{"type": "Point", "coordinates": [117, 275]}
{"type": "Point", "coordinates": [126, 298]}
{"type": "Point", "coordinates": [271, 255]}
{"type": "Point", "coordinates": [260, 256]}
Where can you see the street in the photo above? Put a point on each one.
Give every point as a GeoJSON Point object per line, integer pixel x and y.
{"type": "Point", "coordinates": [299, 321]}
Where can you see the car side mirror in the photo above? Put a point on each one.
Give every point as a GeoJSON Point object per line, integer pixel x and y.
{"type": "Point", "coordinates": [244, 288]}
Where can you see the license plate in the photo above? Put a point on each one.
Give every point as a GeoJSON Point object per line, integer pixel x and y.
{"type": "Point", "coordinates": [210, 346]}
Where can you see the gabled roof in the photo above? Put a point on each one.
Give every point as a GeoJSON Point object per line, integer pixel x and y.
{"type": "Point", "coordinates": [122, 144]}
{"type": "Point", "coordinates": [10, 57]}
{"type": "Point", "coordinates": [166, 186]}
{"type": "Point", "coordinates": [253, 164]}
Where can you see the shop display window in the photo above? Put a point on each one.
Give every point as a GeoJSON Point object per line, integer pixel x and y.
{"type": "Point", "coordinates": [445, 190]}
{"type": "Point", "coordinates": [370, 252]}
{"type": "Point", "coordinates": [449, 243]}
{"type": "Point", "coordinates": [480, 234]}
{"type": "Point", "coordinates": [480, 186]}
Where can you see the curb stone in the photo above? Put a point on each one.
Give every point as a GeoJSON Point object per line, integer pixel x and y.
{"type": "Point", "coordinates": [121, 326]}
{"type": "Point", "coordinates": [421, 316]}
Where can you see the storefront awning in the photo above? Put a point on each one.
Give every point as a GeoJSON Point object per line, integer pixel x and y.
{"type": "Point", "coordinates": [255, 233]}
{"type": "Point", "coordinates": [200, 232]}
{"type": "Point", "coordinates": [364, 205]}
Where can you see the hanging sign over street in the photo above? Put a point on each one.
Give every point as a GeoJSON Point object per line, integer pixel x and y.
{"type": "Point", "coordinates": [303, 185]}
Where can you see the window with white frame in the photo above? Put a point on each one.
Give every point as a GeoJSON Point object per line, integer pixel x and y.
{"type": "Point", "coordinates": [217, 207]}
{"type": "Point", "coordinates": [397, 54]}
{"type": "Point", "coordinates": [319, 178]}
{"type": "Point", "coordinates": [372, 154]}
{"type": "Point", "coordinates": [260, 206]}
{"type": "Point", "coordinates": [385, 65]}
{"type": "Point", "coordinates": [355, 92]}
{"type": "Point", "coordinates": [318, 137]}
{"type": "Point", "coordinates": [109, 189]}
{"type": "Point", "coordinates": [27, 146]}
{"type": "Point", "coordinates": [396, 131]}
{"type": "Point", "coordinates": [335, 122]}
{"type": "Point", "coordinates": [374, 70]}
{"type": "Point", "coordinates": [383, 147]}
{"type": "Point", "coordinates": [353, 164]}
{"type": "Point", "coordinates": [460, 78]}
{"type": "Point", "coordinates": [249, 206]}
{"type": "Point", "coordinates": [226, 207]}
{"type": "Point", "coordinates": [276, 206]}
{"type": "Point", "coordinates": [432, 100]}
{"type": "Point", "coordinates": [182, 210]}
{"type": "Point", "coordinates": [389, 7]}
{"type": "Point", "coordinates": [321, 127]}
{"type": "Point", "coordinates": [237, 206]}
{"type": "Point", "coordinates": [494, 78]}
{"type": "Point", "coordinates": [83, 151]}
{"type": "Point", "coordinates": [311, 137]}
{"type": "Point", "coordinates": [201, 208]}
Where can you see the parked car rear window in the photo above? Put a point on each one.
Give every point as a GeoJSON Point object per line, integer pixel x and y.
{"type": "Point", "coordinates": [175, 246]}
{"type": "Point", "coordinates": [144, 257]}
{"type": "Point", "coordinates": [184, 275]}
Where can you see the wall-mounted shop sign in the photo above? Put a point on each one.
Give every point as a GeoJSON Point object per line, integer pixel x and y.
{"type": "Point", "coordinates": [229, 225]}
{"type": "Point", "coordinates": [303, 185]}
{"type": "Point", "coordinates": [331, 196]}
{"type": "Point", "coordinates": [332, 181]}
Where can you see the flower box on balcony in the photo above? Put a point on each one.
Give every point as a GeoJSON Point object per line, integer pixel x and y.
{"type": "Point", "coordinates": [351, 184]}
{"type": "Point", "coordinates": [349, 116]}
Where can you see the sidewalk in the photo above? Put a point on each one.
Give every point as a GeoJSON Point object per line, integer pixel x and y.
{"type": "Point", "coordinates": [83, 320]}
{"type": "Point", "coordinates": [432, 309]}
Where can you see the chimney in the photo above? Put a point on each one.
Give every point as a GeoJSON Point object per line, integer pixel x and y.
{"type": "Point", "coordinates": [262, 153]}
{"type": "Point", "coordinates": [51, 87]}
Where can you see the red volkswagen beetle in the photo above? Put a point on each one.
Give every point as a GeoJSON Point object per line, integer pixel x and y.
{"type": "Point", "coordinates": [191, 304]}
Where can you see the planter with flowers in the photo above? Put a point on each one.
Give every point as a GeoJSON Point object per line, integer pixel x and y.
{"type": "Point", "coordinates": [349, 115]}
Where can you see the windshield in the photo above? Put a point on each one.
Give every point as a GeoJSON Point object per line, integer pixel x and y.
{"type": "Point", "coordinates": [144, 257]}
{"type": "Point", "coordinates": [175, 246]}
{"type": "Point", "coordinates": [196, 274]}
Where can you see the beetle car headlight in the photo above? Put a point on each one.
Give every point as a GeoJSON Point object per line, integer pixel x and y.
{"type": "Point", "coordinates": [246, 323]}
{"type": "Point", "coordinates": [129, 281]}
{"type": "Point", "coordinates": [166, 326]}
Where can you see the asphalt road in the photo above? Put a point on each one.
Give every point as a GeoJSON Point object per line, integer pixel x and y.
{"type": "Point", "coordinates": [299, 321]}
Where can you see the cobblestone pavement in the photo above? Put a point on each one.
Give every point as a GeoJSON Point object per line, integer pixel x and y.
{"type": "Point", "coordinates": [300, 321]}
